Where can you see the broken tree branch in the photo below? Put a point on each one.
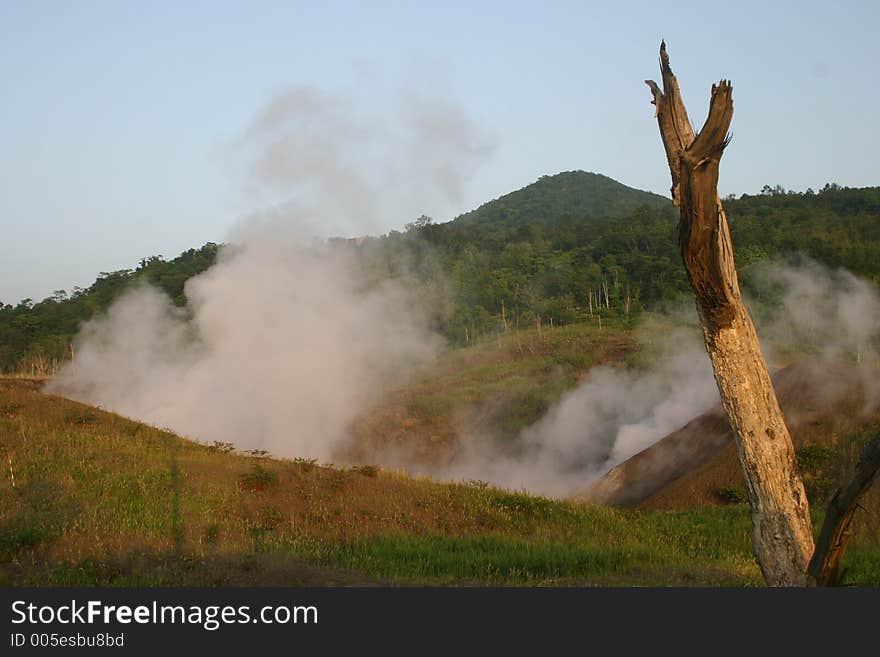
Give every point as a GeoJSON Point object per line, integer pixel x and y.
{"type": "Point", "coordinates": [831, 548]}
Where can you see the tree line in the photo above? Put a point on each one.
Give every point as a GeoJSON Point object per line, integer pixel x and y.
{"type": "Point", "coordinates": [484, 273]}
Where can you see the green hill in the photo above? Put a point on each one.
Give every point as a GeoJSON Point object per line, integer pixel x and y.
{"type": "Point", "coordinates": [552, 252]}
{"type": "Point", "coordinates": [570, 193]}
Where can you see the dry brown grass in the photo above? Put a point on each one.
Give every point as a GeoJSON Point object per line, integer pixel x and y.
{"type": "Point", "coordinates": [100, 499]}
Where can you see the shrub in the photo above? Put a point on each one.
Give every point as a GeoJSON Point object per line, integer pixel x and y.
{"type": "Point", "coordinates": [367, 470]}
{"type": "Point", "coordinates": [258, 479]}
{"type": "Point", "coordinates": [732, 495]}
{"type": "Point", "coordinates": [813, 457]}
{"type": "Point", "coordinates": [212, 535]}
{"type": "Point", "coordinates": [306, 465]}
{"type": "Point", "coordinates": [816, 464]}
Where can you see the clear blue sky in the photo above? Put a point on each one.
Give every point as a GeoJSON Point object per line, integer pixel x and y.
{"type": "Point", "coordinates": [116, 116]}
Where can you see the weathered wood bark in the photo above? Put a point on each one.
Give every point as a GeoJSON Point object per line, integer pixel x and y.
{"type": "Point", "coordinates": [825, 565]}
{"type": "Point", "coordinates": [782, 534]}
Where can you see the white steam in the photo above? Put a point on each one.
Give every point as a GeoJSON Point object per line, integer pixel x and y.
{"type": "Point", "coordinates": [325, 165]}
{"type": "Point", "coordinates": [281, 346]}
{"type": "Point", "coordinates": [282, 353]}
{"type": "Point", "coordinates": [831, 312]}
{"type": "Point", "coordinates": [615, 413]}
{"type": "Point", "coordinates": [612, 415]}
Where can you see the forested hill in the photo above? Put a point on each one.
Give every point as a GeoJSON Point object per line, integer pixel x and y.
{"type": "Point", "coordinates": [570, 193]}
{"type": "Point", "coordinates": [561, 249]}
{"type": "Point", "coordinates": [34, 337]}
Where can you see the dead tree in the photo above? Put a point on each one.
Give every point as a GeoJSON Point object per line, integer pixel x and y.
{"type": "Point", "coordinates": [782, 531]}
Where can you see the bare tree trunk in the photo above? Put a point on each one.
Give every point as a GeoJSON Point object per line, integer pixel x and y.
{"type": "Point", "coordinates": [825, 565]}
{"type": "Point", "coordinates": [782, 529]}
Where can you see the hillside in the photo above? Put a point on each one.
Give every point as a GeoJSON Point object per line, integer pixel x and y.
{"type": "Point", "coordinates": [493, 388]}
{"type": "Point", "coordinates": [566, 194]}
{"type": "Point", "coordinates": [36, 335]}
{"type": "Point", "coordinates": [91, 498]}
{"type": "Point", "coordinates": [831, 409]}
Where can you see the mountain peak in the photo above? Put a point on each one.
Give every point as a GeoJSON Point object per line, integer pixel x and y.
{"type": "Point", "coordinates": [569, 193]}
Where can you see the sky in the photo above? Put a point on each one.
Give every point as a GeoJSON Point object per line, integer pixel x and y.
{"type": "Point", "coordinates": [121, 121]}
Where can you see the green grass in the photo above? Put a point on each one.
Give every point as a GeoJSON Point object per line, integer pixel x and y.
{"type": "Point", "coordinates": [862, 566]}
{"type": "Point", "coordinates": [575, 545]}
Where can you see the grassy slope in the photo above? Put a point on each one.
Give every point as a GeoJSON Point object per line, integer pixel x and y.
{"type": "Point", "coordinates": [99, 499]}
{"type": "Point", "coordinates": [495, 387]}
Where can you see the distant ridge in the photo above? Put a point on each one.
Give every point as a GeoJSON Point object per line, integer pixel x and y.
{"type": "Point", "coordinates": [570, 193]}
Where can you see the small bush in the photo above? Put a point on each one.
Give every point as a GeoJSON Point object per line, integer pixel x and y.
{"type": "Point", "coordinates": [818, 488]}
{"type": "Point", "coordinates": [816, 465]}
{"type": "Point", "coordinates": [367, 470]}
{"type": "Point", "coordinates": [258, 479]}
{"type": "Point", "coordinates": [14, 539]}
{"type": "Point", "coordinates": [80, 417]}
{"type": "Point", "coordinates": [813, 457]}
{"type": "Point", "coordinates": [522, 503]}
{"type": "Point", "coordinates": [212, 534]}
{"type": "Point", "coordinates": [732, 495]}
{"type": "Point", "coordinates": [306, 465]}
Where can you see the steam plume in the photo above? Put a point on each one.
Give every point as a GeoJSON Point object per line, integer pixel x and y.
{"type": "Point", "coordinates": [281, 347]}
{"type": "Point", "coordinates": [615, 413]}
{"type": "Point", "coordinates": [285, 346]}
